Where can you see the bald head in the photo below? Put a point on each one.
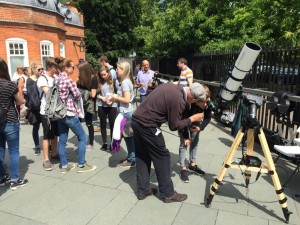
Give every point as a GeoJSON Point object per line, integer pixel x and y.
{"type": "Point", "coordinates": [146, 65]}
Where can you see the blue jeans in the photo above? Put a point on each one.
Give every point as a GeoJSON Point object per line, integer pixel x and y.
{"type": "Point", "coordinates": [129, 140]}
{"type": "Point", "coordinates": [73, 123]}
{"type": "Point", "coordinates": [193, 148]}
{"type": "Point", "coordinates": [10, 133]}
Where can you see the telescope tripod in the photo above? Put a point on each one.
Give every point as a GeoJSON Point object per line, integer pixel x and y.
{"type": "Point", "coordinates": [248, 166]}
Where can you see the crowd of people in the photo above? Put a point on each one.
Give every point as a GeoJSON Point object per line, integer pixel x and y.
{"type": "Point", "coordinates": [106, 93]}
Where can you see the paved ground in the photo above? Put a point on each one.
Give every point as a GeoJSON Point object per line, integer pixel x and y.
{"type": "Point", "coordinates": [107, 195]}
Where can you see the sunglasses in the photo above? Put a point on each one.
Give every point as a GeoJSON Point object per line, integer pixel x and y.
{"type": "Point", "coordinates": [40, 69]}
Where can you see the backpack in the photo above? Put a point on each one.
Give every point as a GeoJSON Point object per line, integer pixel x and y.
{"type": "Point", "coordinates": [33, 101]}
{"type": "Point", "coordinates": [55, 108]}
{"type": "Point", "coordinates": [3, 110]}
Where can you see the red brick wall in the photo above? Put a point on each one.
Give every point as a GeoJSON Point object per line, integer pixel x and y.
{"type": "Point", "coordinates": [35, 25]}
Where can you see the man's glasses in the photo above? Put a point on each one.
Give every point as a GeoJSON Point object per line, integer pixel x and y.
{"type": "Point", "coordinates": [40, 69]}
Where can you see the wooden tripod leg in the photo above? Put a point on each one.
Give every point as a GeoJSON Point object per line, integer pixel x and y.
{"type": "Point", "coordinates": [226, 164]}
{"type": "Point", "coordinates": [250, 146]}
{"type": "Point", "coordinates": [276, 182]}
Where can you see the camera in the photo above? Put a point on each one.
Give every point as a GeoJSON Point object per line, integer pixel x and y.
{"type": "Point", "coordinates": [155, 81]}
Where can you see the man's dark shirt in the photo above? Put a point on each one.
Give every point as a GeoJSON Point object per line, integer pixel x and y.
{"type": "Point", "coordinates": [165, 103]}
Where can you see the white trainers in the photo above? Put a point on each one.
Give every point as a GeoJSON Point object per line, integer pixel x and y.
{"type": "Point", "coordinates": [89, 147]}
{"type": "Point", "coordinates": [86, 168]}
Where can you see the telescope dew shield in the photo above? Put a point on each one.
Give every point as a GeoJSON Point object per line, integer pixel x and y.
{"type": "Point", "coordinates": [242, 66]}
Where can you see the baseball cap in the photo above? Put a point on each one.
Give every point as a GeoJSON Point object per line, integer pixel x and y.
{"type": "Point", "coordinates": [198, 91]}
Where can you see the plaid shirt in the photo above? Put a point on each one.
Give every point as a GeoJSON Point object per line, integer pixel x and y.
{"type": "Point", "coordinates": [68, 92]}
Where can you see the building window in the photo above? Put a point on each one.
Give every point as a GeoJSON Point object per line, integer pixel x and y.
{"type": "Point", "coordinates": [46, 51]}
{"type": "Point", "coordinates": [17, 54]}
{"type": "Point", "coordinates": [62, 52]}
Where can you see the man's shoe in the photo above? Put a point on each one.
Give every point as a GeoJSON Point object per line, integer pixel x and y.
{"type": "Point", "coordinates": [69, 167]}
{"type": "Point", "coordinates": [14, 185]}
{"type": "Point", "coordinates": [195, 169]}
{"type": "Point", "coordinates": [86, 168]}
{"type": "Point", "coordinates": [47, 165]}
{"type": "Point", "coordinates": [176, 197]}
{"type": "Point", "coordinates": [104, 147]}
{"type": "Point", "coordinates": [127, 164]}
{"type": "Point", "coordinates": [152, 191]}
{"type": "Point", "coordinates": [184, 176]}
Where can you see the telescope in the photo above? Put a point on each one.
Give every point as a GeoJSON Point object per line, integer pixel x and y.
{"type": "Point", "coordinates": [242, 66]}
{"type": "Point", "coordinates": [232, 89]}
{"type": "Point", "coordinates": [249, 125]}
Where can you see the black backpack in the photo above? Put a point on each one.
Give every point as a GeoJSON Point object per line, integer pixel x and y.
{"type": "Point", "coordinates": [33, 101]}
{"type": "Point", "coordinates": [4, 110]}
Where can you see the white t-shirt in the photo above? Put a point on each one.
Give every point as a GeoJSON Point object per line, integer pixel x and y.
{"type": "Point", "coordinates": [42, 82]}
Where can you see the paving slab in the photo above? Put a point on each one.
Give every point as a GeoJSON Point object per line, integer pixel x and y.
{"type": "Point", "coordinates": [108, 195]}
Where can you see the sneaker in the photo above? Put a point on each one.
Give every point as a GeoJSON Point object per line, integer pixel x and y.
{"type": "Point", "coordinates": [89, 147]}
{"type": "Point", "coordinates": [37, 150]}
{"type": "Point", "coordinates": [69, 167]}
{"type": "Point", "coordinates": [127, 164]}
{"type": "Point", "coordinates": [86, 168]}
{"type": "Point", "coordinates": [195, 169]}
{"type": "Point", "coordinates": [47, 165]}
{"type": "Point", "coordinates": [14, 185]}
{"type": "Point", "coordinates": [104, 147]}
{"type": "Point", "coordinates": [152, 191]}
{"type": "Point", "coordinates": [176, 197]}
{"type": "Point", "coordinates": [184, 176]}
{"type": "Point", "coordinates": [5, 180]}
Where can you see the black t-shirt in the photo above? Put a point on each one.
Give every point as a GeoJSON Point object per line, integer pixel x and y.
{"type": "Point", "coordinates": [93, 86]}
{"type": "Point", "coordinates": [7, 99]}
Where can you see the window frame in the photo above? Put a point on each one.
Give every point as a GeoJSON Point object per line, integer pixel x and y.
{"type": "Point", "coordinates": [8, 55]}
{"type": "Point", "coordinates": [62, 54]}
{"type": "Point", "coordinates": [51, 50]}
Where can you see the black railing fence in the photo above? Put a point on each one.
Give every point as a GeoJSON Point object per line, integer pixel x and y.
{"type": "Point", "coordinates": [276, 69]}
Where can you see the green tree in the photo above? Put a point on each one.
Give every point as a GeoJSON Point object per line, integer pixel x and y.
{"type": "Point", "coordinates": [189, 26]}
{"type": "Point", "coordinates": [109, 26]}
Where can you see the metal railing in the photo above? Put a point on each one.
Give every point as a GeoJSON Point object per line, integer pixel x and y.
{"type": "Point", "coordinates": [264, 116]}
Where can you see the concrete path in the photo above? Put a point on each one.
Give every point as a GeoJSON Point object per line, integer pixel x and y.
{"type": "Point", "coordinates": [107, 195]}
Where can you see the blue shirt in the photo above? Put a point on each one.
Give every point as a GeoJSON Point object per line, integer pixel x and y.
{"type": "Point", "coordinates": [144, 77]}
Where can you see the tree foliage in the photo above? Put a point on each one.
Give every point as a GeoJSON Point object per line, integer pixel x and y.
{"type": "Point", "coordinates": [189, 26]}
{"type": "Point", "coordinates": [184, 27]}
{"type": "Point", "coordinates": [109, 26]}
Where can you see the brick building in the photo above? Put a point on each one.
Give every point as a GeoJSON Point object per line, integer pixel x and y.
{"type": "Point", "coordinates": [32, 30]}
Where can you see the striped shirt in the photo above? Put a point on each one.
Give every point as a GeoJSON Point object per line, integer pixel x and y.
{"type": "Point", "coordinates": [68, 92]}
{"type": "Point", "coordinates": [7, 97]}
{"type": "Point", "coordinates": [184, 75]}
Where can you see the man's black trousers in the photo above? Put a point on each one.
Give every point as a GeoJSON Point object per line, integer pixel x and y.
{"type": "Point", "coordinates": [150, 146]}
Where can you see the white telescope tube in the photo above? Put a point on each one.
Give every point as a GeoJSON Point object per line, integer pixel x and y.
{"type": "Point", "coordinates": [242, 66]}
